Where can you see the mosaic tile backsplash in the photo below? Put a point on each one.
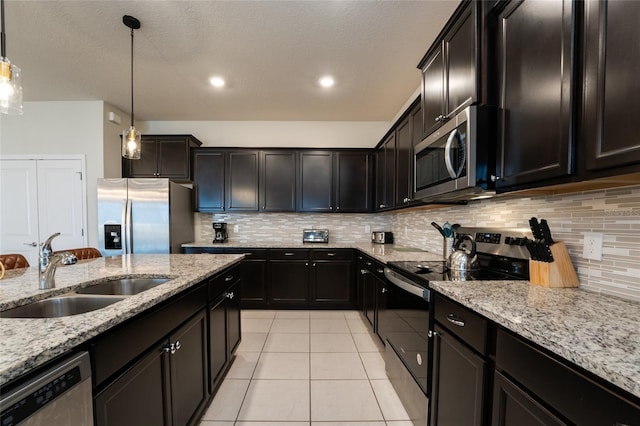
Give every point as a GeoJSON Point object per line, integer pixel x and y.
{"type": "Point", "coordinates": [615, 213]}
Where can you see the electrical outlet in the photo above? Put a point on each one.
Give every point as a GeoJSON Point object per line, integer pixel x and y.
{"type": "Point", "coordinates": [592, 248]}
{"type": "Point", "coordinates": [367, 229]}
{"type": "Point", "coordinates": [236, 228]}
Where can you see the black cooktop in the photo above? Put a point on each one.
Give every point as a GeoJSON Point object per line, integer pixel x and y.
{"type": "Point", "coordinates": [437, 271]}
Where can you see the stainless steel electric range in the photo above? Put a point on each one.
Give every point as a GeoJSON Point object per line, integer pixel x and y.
{"type": "Point", "coordinates": [405, 321]}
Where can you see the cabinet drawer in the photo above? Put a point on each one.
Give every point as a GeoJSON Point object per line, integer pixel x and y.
{"type": "Point", "coordinates": [199, 250]}
{"type": "Point", "coordinates": [322, 254]}
{"type": "Point", "coordinates": [249, 254]}
{"type": "Point", "coordinates": [462, 322]}
{"type": "Point", "coordinates": [221, 282]}
{"type": "Point", "coordinates": [288, 254]}
{"type": "Point", "coordinates": [572, 394]}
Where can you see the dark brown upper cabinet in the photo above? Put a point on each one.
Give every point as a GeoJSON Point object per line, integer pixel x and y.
{"type": "Point", "coordinates": [386, 173]}
{"type": "Point", "coordinates": [611, 85]}
{"type": "Point", "coordinates": [278, 181]}
{"type": "Point", "coordinates": [315, 190]}
{"type": "Point", "coordinates": [408, 134]}
{"type": "Point", "coordinates": [536, 41]}
{"type": "Point", "coordinates": [162, 156]}
{"type": "Point", "coordinates": [352, 179]}
{"type": "Point", "coordinates": [449, 69]}
{"type": "Point", "coordinates": [208, 180]}
{"type": "Point", "coordinates": [242, 181]}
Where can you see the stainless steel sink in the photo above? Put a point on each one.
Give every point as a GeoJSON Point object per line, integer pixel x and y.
{"type": "Point", "coordinates": [123, 286]}
{"type": "Point", "coordinates": [61, 306]}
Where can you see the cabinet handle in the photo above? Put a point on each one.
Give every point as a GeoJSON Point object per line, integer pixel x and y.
{"type": "Point", "coordinates": [368, 263]}
{"type": "Point", "coordinates": [178, 345]}
{"type": "Point", "coordinates": [170, 349]}
{"type": "Point", "coordinates": [360, 257]}
{"type": "Point", "coordinates": [380, 271]}
{"type": "Point", "coordinates": [306, 264]}
{"type": "Point", "coordinates": [248, 254]}
{"type": "Point", "coordinates": [495, 178]}
{"type": "Point", "coordinates": [384, 290]}
{"type": "Point", "coordinates": [228, 278]}
{"type": "Point", "coordinates": [455, 320]}
{"type": "Point", "coordinates": [364, 271]}
{"type": "Point", "coordinates": [433, 333]}
{"type": "Point", "coordinates": [229, 295]}
{"type": "Point", "coordinates": [442, 118]}
{"type": "Point", "coordinates": [288, 254]}
{"type": "Point", "coordinates": [331, 254]}
{"type": "Point", "coordinates": [382, 206]}
{"type": "Point", "coordinates": [406, 200]}
{"type": "Point", "coordinates": [338, 208]}
{"type": "Point", "coordinates": [314, 264]}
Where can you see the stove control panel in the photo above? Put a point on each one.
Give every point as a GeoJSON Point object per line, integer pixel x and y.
{"type": "Point", "coordinates": [488, 237]}
{"type": "Point", "coordinates": [509, 242]}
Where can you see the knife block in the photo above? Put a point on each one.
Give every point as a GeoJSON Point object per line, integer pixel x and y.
{"type": "Point", "coordinates": [556, 274]}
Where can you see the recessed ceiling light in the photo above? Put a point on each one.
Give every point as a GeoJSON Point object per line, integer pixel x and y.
{"type": "Point", "coordinates": [327, 81]}
{"type": "Point", "coordinates": [216, 81]}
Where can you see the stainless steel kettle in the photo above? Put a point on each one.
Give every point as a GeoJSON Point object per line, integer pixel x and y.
{"type": "Point", "coordinates": [462, 259]}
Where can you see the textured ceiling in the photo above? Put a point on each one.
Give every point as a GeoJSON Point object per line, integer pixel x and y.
{"type": "Point", "coordinates": [271, 54]}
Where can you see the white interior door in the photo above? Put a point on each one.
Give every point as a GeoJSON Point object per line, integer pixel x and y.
{"type": "Point", "coordinates": [60, 201]}
{"type": "Point", "coordinates": [19, 208]}
{"type": "Point", "coordinates": [39, 198]}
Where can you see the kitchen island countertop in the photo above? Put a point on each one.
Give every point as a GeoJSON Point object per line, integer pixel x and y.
{"type": "Point", "coordinates": [26, 343]}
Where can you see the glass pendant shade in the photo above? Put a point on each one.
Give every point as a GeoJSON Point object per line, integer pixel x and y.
{"type": "Point", "coordinates": [10, 88]}
{"type": "Point", "coordinates": [131, 144]}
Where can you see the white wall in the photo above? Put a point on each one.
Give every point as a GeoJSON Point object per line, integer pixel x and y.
{"type": "Point", "coordinates": [111, 137]}
{"type": "Point", "coordinates": [293, 134]}
{"type": "Point", "coordinates": [60, 128]}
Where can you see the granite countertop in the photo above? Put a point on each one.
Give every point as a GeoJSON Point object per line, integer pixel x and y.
{"type": "Point", "coordinates": [26, 343]}
{"type": "Point", "coordinates": [597, 332]}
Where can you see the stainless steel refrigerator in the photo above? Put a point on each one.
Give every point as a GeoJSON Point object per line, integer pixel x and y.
{"type": "Point", "coordinates": [146, 215]}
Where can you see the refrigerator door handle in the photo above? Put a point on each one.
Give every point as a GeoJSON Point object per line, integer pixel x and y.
{"type": "Point", "coordinates": [128, 225]}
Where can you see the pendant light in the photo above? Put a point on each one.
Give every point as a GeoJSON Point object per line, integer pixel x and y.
{"type": "Point", "coordinates": [131, 144]}
{"type": "Point", "coordinates": [10, 77]}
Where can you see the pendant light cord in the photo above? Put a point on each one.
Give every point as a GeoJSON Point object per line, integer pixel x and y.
{"type": "Point", "coordinates": [131, 75]}
{"type": "Point", "coordinates": [3, 48]}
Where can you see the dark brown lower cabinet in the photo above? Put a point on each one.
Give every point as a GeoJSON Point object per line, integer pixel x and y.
{"type": "Point", "coordinates": [289, 282]}
{"type": "Point", "coordinates": [168, 386]}
{"type": "Point", "coordinates": [331, 284]}
{"type": "Point", "coordinates": [513, 406]}
{"type": "Point", "coordinates": [224, 332]}
{"type": "Point", "coordinates": [458, 382]}
{"type": "Point", "coordinates": [139, 395]}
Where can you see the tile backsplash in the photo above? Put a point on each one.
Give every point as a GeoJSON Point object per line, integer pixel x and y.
{"type": "Point", "coordinates": [615, 213]}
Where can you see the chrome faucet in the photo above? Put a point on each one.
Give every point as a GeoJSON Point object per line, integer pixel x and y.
{"type": "Point", "coordinates": [48, 262]}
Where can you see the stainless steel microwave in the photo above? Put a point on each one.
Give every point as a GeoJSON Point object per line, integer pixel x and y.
{"type": "Point", "coordinates": [457, 161]}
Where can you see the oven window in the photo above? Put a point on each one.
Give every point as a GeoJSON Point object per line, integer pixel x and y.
{"type": "Point", "coordinates": [430, 165]}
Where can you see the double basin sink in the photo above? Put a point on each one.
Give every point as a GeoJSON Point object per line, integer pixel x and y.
{"type": "Point", "coordinates": [86, 299]}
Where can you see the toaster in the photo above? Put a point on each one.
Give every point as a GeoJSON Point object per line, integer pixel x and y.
{"type": "Point", "coordinates": [382, 237]}
{"type": "Point", "coordinates": [315, 235]}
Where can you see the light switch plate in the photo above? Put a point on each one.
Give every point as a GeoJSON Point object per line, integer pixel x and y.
{"type": "Point", "coordinates": [592, 248]}
{"type": "Point", "coordinates": [367, 229]}
{"type": "Point", "coordinates": [236, 228]}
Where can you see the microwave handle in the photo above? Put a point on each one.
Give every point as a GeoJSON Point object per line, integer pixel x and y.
{"type": "Point", "coordinates": [447, 155]}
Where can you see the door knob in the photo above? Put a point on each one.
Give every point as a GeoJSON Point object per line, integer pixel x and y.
{"type": "Point", "coordinates": [33, 244]}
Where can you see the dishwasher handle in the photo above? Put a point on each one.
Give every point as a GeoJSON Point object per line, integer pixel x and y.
{"type": "Point", "coordinates": [405, 284]}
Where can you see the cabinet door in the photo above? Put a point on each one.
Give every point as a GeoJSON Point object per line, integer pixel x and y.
{"type": "Point", "coordinates": [461, 64]}
{"type": "Point", "coordinates": [289, 282]}
{"type": "Point", "coordinates": [278, 181]}
{"type": "Point", "coordinates": [173, 158]}
{"type": "Point", "coordinates": [404, 154]}
{"type": "Point", "coordinates": [381, 321]}
{"type": "Point", "coordinates": [208, 180]}
{"type": "Point", "coordinates": [353, 182]}
{"type": "Point", "coordinates": [315, 185]}
{"type": "Point", "coordinates": [189, 384]}
{"type": "Point", "coordinates": [242, 181]}
{"type": "Point", "coordinates": [432, 92]}
{"type": "Point", "coordinates": [147, 165]}
{"type": "Point", "coordinates": [385, 173]}
{"type": "Point", "coordinates": [370, 298]}
{"type": "Point", "coordinates": [331, 284]}
{"type": "Point", "coordinates": [612, 59]}
{"type": "Point", "coordinates": [139, 396]}
{"type": "Point", "coordinates": [536, 44]}
{"type": "Point", "coordinates": [514, 407]}
{"type": "Point", "coordinates": [218, 354]}
{"type": "Point", "coordinates": [457, 382]}
{"type": "Point", "coordinates": [254, 283]}
{"type": "Point", "coordinates": [233, 318]}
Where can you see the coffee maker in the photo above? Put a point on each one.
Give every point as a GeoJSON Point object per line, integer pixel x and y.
{"type": "Point", "coordinates": [220, 232]}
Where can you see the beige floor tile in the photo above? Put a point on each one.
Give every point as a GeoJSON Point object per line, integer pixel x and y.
{"type": "Point", "coordinates": [328, 314]}
{"type": "Point", "coordinates": [215, 423]}
{"type": "Point", "coordinates": [336, 366]}
{"type": "Point", "coordinates": [399, 423]}
{"type": "Point", "coordinates": [227, 401]}
{"type": "Point", "coordinates": [287, 342]}
{"type": "Point", "coordinates": [292, 314]}
{"type": "Point", "coordinates": [288, 366]}
{"type": "Point", "coordinates": [243, 365]}
{"type": "Point", "coordinates": [332, 342]}
{"type": "Point", "coordinates": [252, 342]}
{"type": "Point", "coordinates": [354, 314]}
{"type": "Point", "coordinates": [374, 365]}
{"type": "Point", "coordinates": [392, 408]}
{"type": "Point", "coordinates": [276, 400]}
{"type": "Point", "coordinates": [258, 313]}
{"type": "Point", "coordinates": [329, 325]}
{"type": "Point", "coordinates": [358, 325]}
{"type": "Point", "coordinates": [292, 325]}
{"type": "Point", "coordinates": [347, 424]}
{"type": "Point", "coordinates": [256, 325]}
{"type": "Point", "coordinates": [279, 423]}
{"type": "Point", "coordinates": [343, 400]}
{"type": "Point", "coordinates": [367, 342]}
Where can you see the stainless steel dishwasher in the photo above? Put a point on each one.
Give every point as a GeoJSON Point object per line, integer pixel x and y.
{"type": "Point", "coordinates": [60, 395]}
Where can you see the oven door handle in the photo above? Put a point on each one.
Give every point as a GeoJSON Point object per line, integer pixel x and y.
{"type": "Point", "coordinates": [455, 174]}
{"type": "Point", "coordinates": [402, 282]}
